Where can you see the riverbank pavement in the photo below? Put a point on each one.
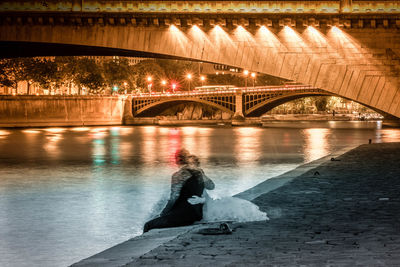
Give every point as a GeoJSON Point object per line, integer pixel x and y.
{"type": "Point", "coordinates": [340, 212]}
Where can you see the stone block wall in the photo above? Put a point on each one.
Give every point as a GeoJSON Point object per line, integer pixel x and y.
{"type": "Point", "coordinates": [42, 111]}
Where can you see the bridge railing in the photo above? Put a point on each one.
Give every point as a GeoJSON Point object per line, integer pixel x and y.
{"type": "Point", "coordinates": [229, 91]}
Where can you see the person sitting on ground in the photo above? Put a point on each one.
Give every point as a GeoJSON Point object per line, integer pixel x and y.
{"type": "Point", "coordinates": [182, 158]}
{"type": "Point", "coordinates": [225, 208]}
{"type": "Point", "coordinates": [185, 183]}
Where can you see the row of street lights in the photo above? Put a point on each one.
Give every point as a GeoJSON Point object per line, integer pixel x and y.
{"type": "Point", "coordinates": [246, 75]}
{"type": "Point", "coordinates": [189, 78]}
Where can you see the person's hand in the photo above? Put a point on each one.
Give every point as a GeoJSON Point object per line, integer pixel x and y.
{"type": "Point", "coordinates": [194, 200]}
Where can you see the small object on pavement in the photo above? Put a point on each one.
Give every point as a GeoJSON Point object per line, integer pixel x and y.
{"type": "Point", "coordinates": [223, 229]}
{"type": "Point", "coordinates": [333, 159]}
{"type": "Point", "coordinates": [316, 173]}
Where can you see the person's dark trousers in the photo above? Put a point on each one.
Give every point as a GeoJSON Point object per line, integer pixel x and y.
{"type": "Point", "coordinates": [182, 212]}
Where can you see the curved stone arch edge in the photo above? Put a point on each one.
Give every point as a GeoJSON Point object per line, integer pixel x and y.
{"type": "Point", "coordinates": [176, 101]}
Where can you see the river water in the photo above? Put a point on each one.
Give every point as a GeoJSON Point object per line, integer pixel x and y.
{"type": "Point", "coordinates": [68, 193]}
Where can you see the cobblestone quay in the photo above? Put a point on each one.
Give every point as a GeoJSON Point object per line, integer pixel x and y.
{"type": "Point", "coordinates": [348, 215]}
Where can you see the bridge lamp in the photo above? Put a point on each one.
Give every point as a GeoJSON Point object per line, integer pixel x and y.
{"type": "Point", "coordinates": [253, 75]}
{"type": "Point", "coordinates": [246, 74]}
{"type": "Point", "coordinates": [202, 79]}
{"type": "Point", "coordinates": [149, 79]}
{"type": "Point", "coordinates": [163, 84]}
{"type": "Point", "coordinates": [125, 85]}
{"type": "Point", "coordinates": [189, 77]}
{"type": "Point", "coordinates": [173, 87]}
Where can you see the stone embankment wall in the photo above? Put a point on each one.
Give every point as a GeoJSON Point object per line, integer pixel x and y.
{"type": "Point", "coordinates": [41, 111]}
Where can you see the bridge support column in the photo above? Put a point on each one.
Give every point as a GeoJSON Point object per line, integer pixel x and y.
{"type": "Point", "coordinates": [238, 117]}
{"type": "Point", "coordinates": [127, 114]}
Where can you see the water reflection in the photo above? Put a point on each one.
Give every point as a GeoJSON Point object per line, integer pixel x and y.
{"type": "Point", "coordinates": [51, 146]}
{"type": "Point", "coordinates": [174, 143]}
{"type": "Point", "coordinates": [4, 134]}
{"type": "Point", "coordinates": [316, 143]}
{"type": "Point", "coordinates": [149, 144]}
{"type": "Point", "coordinates": [98, 147]}
{"type": "Point", "coordinates": [115, 146]}
{"type": "Point", "coordinates": [247, 145]}
{"type": "Point", "coordinates": [389, 135]}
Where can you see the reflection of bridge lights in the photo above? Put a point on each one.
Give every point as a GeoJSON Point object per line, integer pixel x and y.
{"type": "Point", "coordinates": [189, 130]}
{"type": "Point", "coordinates": [55, 130]}
{"type": "Point", "coordinates": [389, 135]}
{"type": "Point", "coordinates": [29, 131]}
{"type": "Point", "coordinates": [247, 145]}
{"type": "Point", "coordinates": [80, 129]}
{"type": "Point", "coordinates": [2, 132]}
{"type": "Point", "coordinates": [316, 143]}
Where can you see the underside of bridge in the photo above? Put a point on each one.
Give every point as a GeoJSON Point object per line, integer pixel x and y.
{"type": "Point", "coordinates": [347, 48]}
{"type": "Point", "coordinates": [36, 49]}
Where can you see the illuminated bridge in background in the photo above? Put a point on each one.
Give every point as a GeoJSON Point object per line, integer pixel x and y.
{"type": "Point", "coordinates": [348, 48]}
{"type": "Point", "coordinates": [240, 102]}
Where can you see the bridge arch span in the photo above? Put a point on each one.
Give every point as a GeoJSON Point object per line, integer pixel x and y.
{"type": "Point", "coordinates": [265, 106]}
{"type": "Point", "coordinates": [158, 107]}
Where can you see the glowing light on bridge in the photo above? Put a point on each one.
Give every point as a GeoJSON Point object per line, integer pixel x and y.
{"type": "Point", "coordinates": [179, 37]}
{"type": "Point", "coordinates": [347, 47]}
{"type": "Point", "coordinates": [243, 35]}
{"type": "Point", "coordinates": [267, 38]}
{"type": "Point", "coordinates": [291, 38]}
{"type": "Point", "coordinates": [199, 36]}
{"type": "Point", "coordinates": [315, 37]}
{"type": "Point", "coordinates": [221, 38]}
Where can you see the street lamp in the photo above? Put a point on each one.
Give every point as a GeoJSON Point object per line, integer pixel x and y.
{"type": "Point", "coordinates": [125, 85]}
{"type": "Point", "coordinates": [189, 77]}
{"type": "Point", "coordinates": [173, 87]}
{"type": "Point", "coordinates": [149, 79]}
{"type": "Point", "coordinates": [246, 74]}
{"type": "Point", "coordinates": [253, 75]}
{"type": "Point", "coordinates": [163, 83]}
{"type": "Point", "coordinates": [202, 79]}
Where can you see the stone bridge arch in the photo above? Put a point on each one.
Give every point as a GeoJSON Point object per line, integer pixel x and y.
{"type": "Point", "coordinates": [267, 105]}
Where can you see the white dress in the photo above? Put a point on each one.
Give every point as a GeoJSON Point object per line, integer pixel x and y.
{"type": "Point", "coordinates": [231, 209]}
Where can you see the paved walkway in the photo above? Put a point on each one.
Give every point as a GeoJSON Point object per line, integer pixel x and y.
{"type": "Point", "coordinates": [342, 213]}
